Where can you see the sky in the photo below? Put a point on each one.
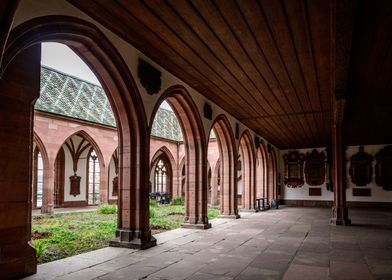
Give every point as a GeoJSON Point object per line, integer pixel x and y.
{"type": "Point", "coordinates": [62, 58]}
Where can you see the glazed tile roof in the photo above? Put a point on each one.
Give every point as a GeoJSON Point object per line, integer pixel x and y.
{"type": "Point", "coordinates": [65, 95]}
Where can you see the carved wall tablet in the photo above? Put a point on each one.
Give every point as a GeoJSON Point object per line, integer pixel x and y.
{"type": "Point", "coordinates": [150, 78]}
{"type": "Point", "coordinates": [75, 185]}
{"type": "Point", "coordinates": [315, 168]}
{"type": "Point", "coordinates": [361, 170]}
{"type": "Point", "coordinates": [384, 168]}
{"type": "Point", "coordinates": [294, 162]}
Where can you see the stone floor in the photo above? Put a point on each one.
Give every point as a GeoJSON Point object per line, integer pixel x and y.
{"type": "Point", "coordinates": [289, 243]}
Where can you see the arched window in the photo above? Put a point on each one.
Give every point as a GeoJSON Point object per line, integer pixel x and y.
{"type": "Point", "coordinates": [93, 178]}
{"type": "Point", "coordinates": [160, 184]}
{"type": "Point", "coordinates": [39, 179]}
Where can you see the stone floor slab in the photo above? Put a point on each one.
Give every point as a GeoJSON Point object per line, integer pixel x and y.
{"type": "Point", "coordinates": [292, 242]}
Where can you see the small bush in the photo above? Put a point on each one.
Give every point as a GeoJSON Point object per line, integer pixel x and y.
{"type": "Point", "coordinates": [152, 212]}
{"type": "Point", "coordinates": [177, 201]}
{"type": "Point", "coordinates": [153, 203]}
{"type": "Point", "coordinates": [39, 247]}
{"type": "Point", "coordinates": [107, 209]}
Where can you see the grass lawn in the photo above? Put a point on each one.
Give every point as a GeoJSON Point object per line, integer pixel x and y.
{"type": "Point", "coordinates": [64, 235]}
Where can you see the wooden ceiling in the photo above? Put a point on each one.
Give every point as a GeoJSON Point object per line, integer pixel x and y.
{"type": "Point", "coordinates": [268, 63]}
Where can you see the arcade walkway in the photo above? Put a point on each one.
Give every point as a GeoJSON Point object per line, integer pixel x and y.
{"type": "Point", "coordinates": [289, 243]}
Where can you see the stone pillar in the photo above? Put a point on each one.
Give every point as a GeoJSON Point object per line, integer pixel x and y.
{"type": "Point", "coordinates": [214, 187]}
{"type": "Point", "coordinates": [19, 87]}
{"type": "Point", "coordinates": [229, 205]}
{"type": "Point", "coordinates": [48, 187]}
{"type": "Point", "coordinates": [196, 193]}
{"type": "Point", "coordinates": [339, 209]}
{"type": "Point", "coordinates": [104, 184]}
{"type": "Point", "coordinates": [133, 201]}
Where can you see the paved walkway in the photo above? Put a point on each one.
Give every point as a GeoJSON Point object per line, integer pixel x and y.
{"type": "Point", "coordinates": [37, 212]}
{"type": "Point", "coordinates": [289, 243]}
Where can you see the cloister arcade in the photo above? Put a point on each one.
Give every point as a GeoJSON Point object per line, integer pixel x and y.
{"type": "Point", "coordinates": [242, 111]}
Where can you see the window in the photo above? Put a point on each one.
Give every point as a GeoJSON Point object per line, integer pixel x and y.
{"type": "Point", "coordinates": [93, 178]}
{"type": "Point", "coordinates": [160, 177]}
{"type": "Point", "coordinates": [40, 175]}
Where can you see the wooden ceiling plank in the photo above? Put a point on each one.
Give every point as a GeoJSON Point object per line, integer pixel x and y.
{"type": "Point", "coordinates": [177, 26]}
{"type": "Point", "coordinates": [268, 47]}
{"type": "Point", "coordinates": [277, 21]}
{"type": "Point", "coordinates": [250, 56]}
{"type": "Point", "coordinates": [297, 17]}
{"type": "Point", "coordinates": [274, 135]}
{"type": "Point", "coordinates": [148, 19]}
{"type": "Point", "coordinates": [146, 44]}
{"type": "Point", "coordinates": [292, 128]}
{"type": "Point", "coordinates": [320, 23]}
{"type": "Point", "coordinates": [210, 14]}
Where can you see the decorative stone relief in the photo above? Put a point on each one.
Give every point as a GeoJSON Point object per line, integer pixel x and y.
{"type": "Point", "coordinates": [384, 168]}
{"type": "Point", "coordinates": [294, 162]}
{"type": "Point", "coordinates": [361, 170]}
{"type": "Point", "coordinates": [315, 168]}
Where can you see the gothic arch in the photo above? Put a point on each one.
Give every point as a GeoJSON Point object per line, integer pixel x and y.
{"type": "Point", "coordinates": [246, 149]}
{"type": "Point", "coordinates": [195, 154]}
{"type": "Point", "coordinates": [86, 40]}
{"type": "Point", "coordinates": [272, 175]}
{"type": "Point", "coordinates": [164, 153]}
{"type": "Point", "coordinates": [228, 156]}
{"type": "Point", "coordinates": [261, 171]}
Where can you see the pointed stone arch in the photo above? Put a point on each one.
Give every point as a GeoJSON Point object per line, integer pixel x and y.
{"type": "Point", "coordinates": [40, 147]}
{"type": "Point", "coordinates": [164, 153]}
{"type": "Point", "coordinates": [272, 166]}
{"type": "Point", "coordinates": [228, 158]}
{"type": "Point", "coordinates": [246, 149]}
{"type": "Point", "coordinates": [261, 171]}
{"type": "Point", "coordinates": [195, 154]}
{"type": "Point", "coordinates": [86, 40]}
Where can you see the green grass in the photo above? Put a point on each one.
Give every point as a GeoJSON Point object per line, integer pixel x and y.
{"type": "Point", "coordinates": [64, 235]}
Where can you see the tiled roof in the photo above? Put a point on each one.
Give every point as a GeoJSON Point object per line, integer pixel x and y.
{"type": "Point", "coordinates": [65, 95]}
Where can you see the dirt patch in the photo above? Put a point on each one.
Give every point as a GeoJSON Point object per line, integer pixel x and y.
{"type": "Point", "coordinates": [175, 214]}
{"type": "Point", "coordinates": [40, 235]}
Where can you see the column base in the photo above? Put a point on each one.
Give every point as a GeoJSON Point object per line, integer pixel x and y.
{"type": "Point", "coordinates": [196, 226]}
{"type": "Point", "coordinates": [340, 216]}
{"type": "Point", "coordinates": [18, 260]}
{"type": "Point", "coordinates": [340, 222]}
{"type": "Point", "coordinates": [234, 216]}
{"type": "Point", "coordinates": [47, 209]}
{"type": "Point", "coordinates": [133, 239]}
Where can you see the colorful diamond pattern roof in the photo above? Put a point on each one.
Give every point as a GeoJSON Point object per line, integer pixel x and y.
{"type": "Point", "coordinates": [65, 95]}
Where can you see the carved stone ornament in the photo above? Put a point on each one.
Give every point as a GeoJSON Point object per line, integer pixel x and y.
{"type": "Point", "coordinates": [384, 168]}
{"type": "Point", "coordinates": [315, 168]}
{"type": "Point", "coordinates": [294, 162]}
{"type": "Point", "coordinates": [75, 185]}
{"type": "Point", "coordinates": [361, 170]}
{"type": "Point", "coordinates": [150, 78]}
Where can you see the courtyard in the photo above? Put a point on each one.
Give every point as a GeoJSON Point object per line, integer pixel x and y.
{"type": "Point", "coordinates": [288, 243]}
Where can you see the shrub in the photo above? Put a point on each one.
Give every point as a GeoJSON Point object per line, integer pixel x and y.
{"type": "Point", "coordinates": [39, 247]}
{"type": "Point", "coordinates": [107, 209]}
{"type": "Point", "coordinates": [178, 200]}
{"type": "Point", "coordinates": [153, 203]}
